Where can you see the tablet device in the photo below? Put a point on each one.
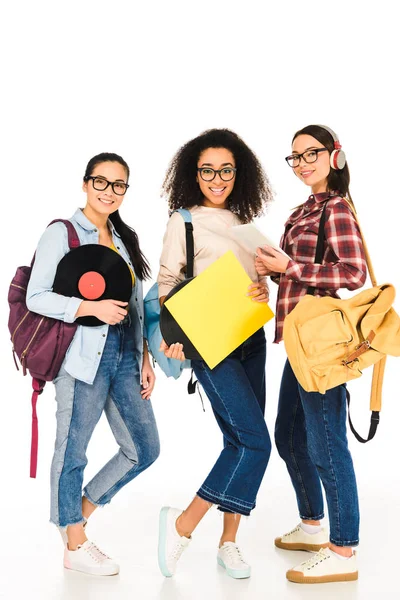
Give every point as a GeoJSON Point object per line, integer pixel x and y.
{"type": "Point", "coordinates": [253, 238]}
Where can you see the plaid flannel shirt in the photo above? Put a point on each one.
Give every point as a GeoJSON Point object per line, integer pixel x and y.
{"type": "Point", "coordinates": [344, 264]}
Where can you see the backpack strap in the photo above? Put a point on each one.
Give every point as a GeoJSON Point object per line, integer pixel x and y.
{"type": "Point", "coordinates": [73, 240]}
{"type": "Point", "coordinates": [37, 385]}
{"type": "Point", "coordinates": [187, 217]}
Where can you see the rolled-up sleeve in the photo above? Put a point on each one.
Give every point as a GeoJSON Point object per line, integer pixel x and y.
{"type": "Point", "coordinates": [40, 298]}
{"type": "Point", "coordinates": [173, 256]}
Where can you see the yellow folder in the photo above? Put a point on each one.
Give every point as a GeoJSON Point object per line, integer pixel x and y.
{"type": "Point", "coordinates": [214, 311]}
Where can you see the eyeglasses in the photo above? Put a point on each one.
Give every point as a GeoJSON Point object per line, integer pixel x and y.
{"type": "Point", "coordinates": [309, 156]}
{"type": "Point", "coordinates": [101, 183]}
{"type": "Point", "coordinates": [208, 174]}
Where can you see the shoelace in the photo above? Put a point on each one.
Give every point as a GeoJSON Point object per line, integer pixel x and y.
{"type": "Point", "coordinates": [293, 530]}
{"type": "Point", "coordinates": [96, 553]}
{"type": "Point", "coordinates": [314, 560]}
{"type": "Point", "coordinates": [235, 554]}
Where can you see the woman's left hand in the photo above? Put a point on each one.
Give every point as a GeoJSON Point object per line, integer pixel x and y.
{"type": "Point", "coordinates": [258, 292]}
{"type": "Point", "coordinates": [274, 261]}
{"type": "Point", "coordinates": [148, 380]}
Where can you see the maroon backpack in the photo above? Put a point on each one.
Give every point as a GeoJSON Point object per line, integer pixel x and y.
{"type": "Point", "coordinates": [39, 342]}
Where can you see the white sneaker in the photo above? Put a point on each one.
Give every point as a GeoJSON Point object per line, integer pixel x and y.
{"type": "Point", "coordinates": [63, 533]}
{"type": "Point", "coordinates": [298, 539]}
{"type": "Point", "coordinates": [88, 558]}
{"type": "Point", "coordinates": [170, 543]}
{"type": "Point", "coordinates": [230, 557]}
{"type": "Point", "coordinates": [324, 567]}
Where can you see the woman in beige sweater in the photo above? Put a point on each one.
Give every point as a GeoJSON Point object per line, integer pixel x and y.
{"type": "Point", "coordinates": [220, 180]}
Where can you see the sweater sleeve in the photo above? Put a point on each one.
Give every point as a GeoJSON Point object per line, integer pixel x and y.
{"type": "Point", "coordinates": [173, 256]}
{"type": "Point", "coordinates": [343, 236]}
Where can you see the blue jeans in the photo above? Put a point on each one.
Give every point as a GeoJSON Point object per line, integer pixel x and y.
{"type": "Point", "coordinates": [236, 390]}
{"type": "Point", "coordinates": [310, 434]}
{"type": "Point", "coordinates": [116, 390]}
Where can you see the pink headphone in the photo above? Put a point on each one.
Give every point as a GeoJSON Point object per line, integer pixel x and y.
{"type": "Point", "coordinates": [338, 157]}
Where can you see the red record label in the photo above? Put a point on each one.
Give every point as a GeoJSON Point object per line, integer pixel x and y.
{"type": "Point", "coordinates": [91, 285]}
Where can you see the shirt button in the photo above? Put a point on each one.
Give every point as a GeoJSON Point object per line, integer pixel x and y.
{"type": "Point", "coordinates": [95, 230]}
{"type": "Point", "coordinates": [140, 317]}
{"type": "Point", "coordinates": [99, 353]}
{"type": "Point", "coordinates": [118, 248]}
{"type": "Point", "coordinates": [129, 263]}
{"type": "Point", "coordinates": [104, 335]}
{"type": "Point", "coordinates": [136, 299]}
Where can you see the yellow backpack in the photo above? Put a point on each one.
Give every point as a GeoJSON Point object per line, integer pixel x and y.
{"type": "Point", "coordinates": [329, 341]}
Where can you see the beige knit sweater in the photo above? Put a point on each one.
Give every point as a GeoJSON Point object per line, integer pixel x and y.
{"type": "Point", "coordinates": [212, 238]}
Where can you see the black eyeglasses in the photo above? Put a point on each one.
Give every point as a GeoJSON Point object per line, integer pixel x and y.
{"type": "Point", "coordinates": [309, 156]}
{"type": "Point", "coordinates": [208, 174]}
{"type": "Point", "coordinates": [101, 183]}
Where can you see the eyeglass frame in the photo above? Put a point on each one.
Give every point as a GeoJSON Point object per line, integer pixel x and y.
{"type": "Point", "coordinates": [112, 183]}
{"type": "Point", "coordinates": [217, 171]}
{"type": "Point", "coordinates": [301, 156]}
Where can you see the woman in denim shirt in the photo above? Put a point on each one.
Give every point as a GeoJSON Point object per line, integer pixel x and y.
{"type": "Point", "coordinates": [106, 367]}
{"type": "Point", "coordinates": [219, 179]}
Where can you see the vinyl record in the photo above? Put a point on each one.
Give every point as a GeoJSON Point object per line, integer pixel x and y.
{"type": "Point", "coordinates": [93, 272]}
{"type": "Point", "coordinates": [171, 331]}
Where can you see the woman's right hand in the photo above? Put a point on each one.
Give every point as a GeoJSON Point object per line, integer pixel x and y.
{"type": "Point", "coordinates": [262, 269]}
{"type": "Point", "coordinates": [108, 311]}
{"type": "Point", "coordinates": [172, 351]}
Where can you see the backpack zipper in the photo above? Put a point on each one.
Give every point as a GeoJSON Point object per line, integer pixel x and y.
{"type": "Point", "coordinates": [27, 348]}
{"type": "Point", "coordinates": [18, 286]}
{"type": "Point", "coordinates": [18, 326]}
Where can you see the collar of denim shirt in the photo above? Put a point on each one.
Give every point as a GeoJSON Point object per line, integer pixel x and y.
{"type": "Point", "coordinates": [84, 222]}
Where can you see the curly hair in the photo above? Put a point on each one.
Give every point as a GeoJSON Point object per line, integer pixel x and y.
{"type": "Point", "coordinates": [251, 192]}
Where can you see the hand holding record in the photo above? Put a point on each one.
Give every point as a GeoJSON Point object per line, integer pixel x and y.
{"type": "Point", "coordinates": [107, 311]}
{"type": "Point", "coordinates": [98, 275]}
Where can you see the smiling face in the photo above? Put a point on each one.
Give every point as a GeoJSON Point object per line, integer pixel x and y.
{"type": "Point", "coordinates": [104, 203]}
{"type": "Point", "coordinates": [216, 192]}
{"type": "Point", "coordinates": [313, 174]}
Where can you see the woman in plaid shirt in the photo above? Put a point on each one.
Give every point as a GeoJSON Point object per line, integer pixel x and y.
{"type": "Point", "coordinates": [310, 430]}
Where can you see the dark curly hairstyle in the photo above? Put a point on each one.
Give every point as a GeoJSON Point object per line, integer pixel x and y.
{"type": "Point", "coordinates": [128, 235]}
{"type": "Point", "coordinates": [338, 179]}
{"type": "Point", "coordinates": [251, 192]}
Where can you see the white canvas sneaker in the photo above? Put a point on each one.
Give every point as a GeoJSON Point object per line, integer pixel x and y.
{"type": "Point", "coordinates": [88, 558]}
{"type": "Point", "coordinates": [230, 557]}
{"type": "Point", "coordinates": [170, 543]}
{"type": "Point", "coordinates": [324, 567]}
{"type": "Point", "coordinates": [298, 539]}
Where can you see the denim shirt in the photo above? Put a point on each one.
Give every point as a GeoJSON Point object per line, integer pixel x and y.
{"type": "Point", "coordinates": [85, 351]}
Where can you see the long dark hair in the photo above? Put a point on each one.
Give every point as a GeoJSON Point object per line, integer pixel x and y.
{"type": "Point", "coordinates": [338, 179]}
{"type": "Point", "coordinates": [251, 192]}
{"type": "Point", "coordinates": [128, 235]}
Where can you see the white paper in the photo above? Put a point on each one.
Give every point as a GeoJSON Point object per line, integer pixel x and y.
{"type": "Point", "coordinates": [253, 238]}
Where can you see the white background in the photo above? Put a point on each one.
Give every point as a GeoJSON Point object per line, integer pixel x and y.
{"type": "Point", "coordinates": [140, 79]}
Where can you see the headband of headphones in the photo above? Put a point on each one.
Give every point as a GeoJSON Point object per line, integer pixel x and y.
{"type": "Point", "coordinates": [338, 157]}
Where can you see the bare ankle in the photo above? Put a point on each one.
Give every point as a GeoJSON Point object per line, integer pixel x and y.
{"type": "Point", "coordinates": [342, 550]}
{"type": "Point", "coordinates": [181, 529]}
{"type": "Point", "coordinates": [308, 522]}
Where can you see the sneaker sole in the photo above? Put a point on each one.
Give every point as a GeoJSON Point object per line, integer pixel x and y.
{"type": "Point", "coordinates": [298, 546]}
{"type": "Point", "coordinates": [92, 571]}
{"type": "Point", "coordinates": [162, 536]}
{"type": "Point", "coordinates": [297, 577]}
{"type": "Point", "coordinates": [236, 574]}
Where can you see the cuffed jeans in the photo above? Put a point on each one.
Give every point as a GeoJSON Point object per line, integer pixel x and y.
{"type": "Point", "coordinates": [236, 390]}
{"type": "Point", "coordinates": [116, 390]}
{"type": "Point", "coordinates": [311, 437]}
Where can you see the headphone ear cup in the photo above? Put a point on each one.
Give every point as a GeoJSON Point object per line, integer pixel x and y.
{"type": "Point", "coordinates": [338, 159]}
